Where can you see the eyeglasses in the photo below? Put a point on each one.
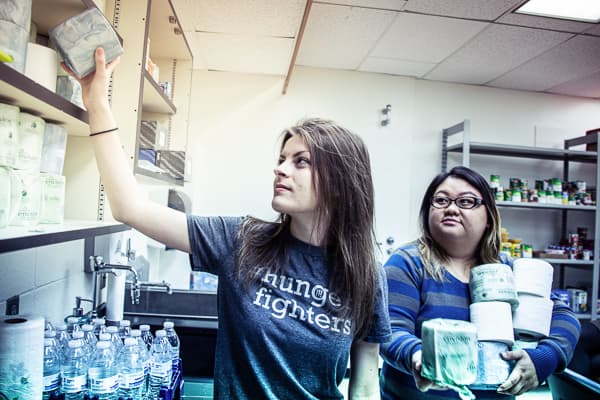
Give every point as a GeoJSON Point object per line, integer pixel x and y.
{"type": "Point", "coordinates": [464, 202]}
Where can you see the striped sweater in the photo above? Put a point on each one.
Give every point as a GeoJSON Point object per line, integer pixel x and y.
{"type": "Point", "coordinates": [415, 296]}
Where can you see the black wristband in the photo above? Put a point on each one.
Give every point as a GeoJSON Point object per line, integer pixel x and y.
{"type": "Point", "coordinates": [101, 132]}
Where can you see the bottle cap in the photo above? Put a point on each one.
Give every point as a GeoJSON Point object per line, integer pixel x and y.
{"type": "Point", "coordinates": [168, 324]}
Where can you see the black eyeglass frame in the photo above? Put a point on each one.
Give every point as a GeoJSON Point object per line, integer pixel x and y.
{"type": "Point", "coordinates": [477, 203]}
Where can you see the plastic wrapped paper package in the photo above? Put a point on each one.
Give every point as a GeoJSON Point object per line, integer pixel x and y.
{"type": "Point", "coordinates": [9, 134]}
{"type": "Point", "coordinates": [493, 282]}
{"type": "Point", "coordinates": [10, 195]}
{"type": "Point", "coordinates": [173, 162]}
{"type": "Point", "coordinates": [17, 12]}
{"type": "Point", "coordinates": [53, 149]}
{"type": "Point", "coordinates": [28, 214]}
{"type": "Point", "coordinates": [52, 207]}
{"type": "Point", "coordinates": [31, 140]}
{"type": "Point", "coordinates": [13, 41]}
{"type": "Point", "coordinates": [153, 135]}
{"type": "Point", "coordinates": [77, 38]}
{"type": "Point", "coordinates": [492, 369]}
{"type": "Point", "coordinates": [68, 88]}
{"type": "Point", "coordinates": [450, 354]}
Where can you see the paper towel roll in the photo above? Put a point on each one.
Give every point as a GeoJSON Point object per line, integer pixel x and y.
{"type": "Point", "coordinates": [492, 369]}
{"type": "Point", "coordinates": [493, 320]}
{"type": "Point", "coordinates": [116, 296]}
{"type": "Point", "coordinates": [532, 319]}
{"type": "Point", "coordinates": [21, 356]}
{"type": "Point", "coordinates": [493, 282]}
{"type": "Point", "coordinates": [40, 66]}
{"type": "Point", "coordinates": [533, 276]}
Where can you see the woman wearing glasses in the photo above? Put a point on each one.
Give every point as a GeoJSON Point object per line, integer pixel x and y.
{"type": "Point", "coordinates": [429, 278]}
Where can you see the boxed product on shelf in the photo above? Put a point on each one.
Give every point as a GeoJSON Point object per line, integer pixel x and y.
{"type": "Point", "coordinates": [147, 155]}
{"type": "Point", "coordinates": [172, 161]}
{"type": "Point", "coordinates": [153, 135]}
{"type": "Point", "coordinates": [77, 38]}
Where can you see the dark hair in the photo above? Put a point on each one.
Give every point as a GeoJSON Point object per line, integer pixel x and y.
{"type": "Point", "coordinates": [345, 213]}
{"type": "Point", "coordinates": [431, 252]}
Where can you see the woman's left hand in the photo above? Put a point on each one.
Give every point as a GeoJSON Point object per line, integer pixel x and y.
{"type": "Point", "coordinates": [523, 376]}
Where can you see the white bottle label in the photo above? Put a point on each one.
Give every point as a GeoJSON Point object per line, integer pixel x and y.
{"type": "Point", "coordinates": [104, 385]}
{"type": "Point", "coordinates": [74, 384]}
{"type": "Point", "coordinates": [132, 381]}
{"type": "Point", "coordinates": [51, 382]}
{"type": "Point", "coordinates": [159, 369]}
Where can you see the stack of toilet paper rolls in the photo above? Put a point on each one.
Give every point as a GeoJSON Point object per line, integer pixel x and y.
{"type": "Point", "coordinates": [493, 300]}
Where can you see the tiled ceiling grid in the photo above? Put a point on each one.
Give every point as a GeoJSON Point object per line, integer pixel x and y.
{"type": "Point", "coordinates": [465, 41]}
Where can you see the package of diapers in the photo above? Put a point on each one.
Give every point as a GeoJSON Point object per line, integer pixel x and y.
{"type": "Point", "coordinates": [77, 38]}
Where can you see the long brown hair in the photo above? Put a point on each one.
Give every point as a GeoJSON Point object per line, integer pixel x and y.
{"type": "Point", "coordinates": [345, 212]}
{"type": "Point", "coordinates": [432, 254]}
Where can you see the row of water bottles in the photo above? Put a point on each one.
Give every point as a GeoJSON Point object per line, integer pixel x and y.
{"type": "Point", "coordinates": [93, 361]}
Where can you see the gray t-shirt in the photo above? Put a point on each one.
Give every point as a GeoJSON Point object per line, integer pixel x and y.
{"type": "Point", "coordinates": [280, 339]}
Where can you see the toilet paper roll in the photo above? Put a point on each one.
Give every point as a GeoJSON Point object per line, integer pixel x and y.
{"type": "Point", "coordinates": [41, 65]}
{"type": "Point", "coordinates": [533, 276]}
{"type": "Point", "coordinates": [532, 319]}
{"type": "Point", "coordinates": [493, 320]}
{"type": "Point", "coordinates": [493, 282]}
{"type": "Point", "coordinates": [21, 356]}
{"type": "Point", "coordinates": [492, 369]}
{"type": "Point", "coordinates": [115, 297]}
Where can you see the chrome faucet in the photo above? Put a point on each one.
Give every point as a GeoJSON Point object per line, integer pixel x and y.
{"type": "Point", "coordinates": [163, 284]}
{"type": "Point", "coordinates": [98, 265]}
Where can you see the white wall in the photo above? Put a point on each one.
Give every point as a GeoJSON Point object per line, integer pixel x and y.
{"type": "Point", "coordinates": [236, 119]}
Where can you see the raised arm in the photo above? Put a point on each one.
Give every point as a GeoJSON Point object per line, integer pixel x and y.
{"type": "Point", "coordinates": [127, 202]}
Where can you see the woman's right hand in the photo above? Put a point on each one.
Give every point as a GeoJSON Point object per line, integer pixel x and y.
{"type": "Point", "coordinates": [423, 384]}
{"type": "Point", "coordinates": [94, 86]}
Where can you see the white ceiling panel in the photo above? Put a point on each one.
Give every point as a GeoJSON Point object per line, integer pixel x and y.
{"type": "Point", "coordinates": [587, 87]}
{"type": "Point", "coordinates": [486, 10]}
{"type": "Point", "coordinates": [421, 38]}
{"type": "Point", "coordinates": [258, 18]}
{"type": "Point", "coordinates": [576, 58]}
{"type": "Point", "coordinates": [496, 50]}
{"type": "Point", "coordinates": [535, 21]}
{"type": "Point", "coordinates": [238, 53]}
{"type": "Point", "coordinates": [332, 38]}
{"type": "Point", "coordinates": [381, 4]}
{"type": "Point", "coordinates": [395, 67]}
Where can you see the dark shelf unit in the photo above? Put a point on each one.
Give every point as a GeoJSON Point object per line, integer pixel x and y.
{"type": "Point", "coordinates": [567, 155]}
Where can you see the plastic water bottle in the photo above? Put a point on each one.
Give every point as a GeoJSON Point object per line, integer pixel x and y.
{"type": "Point", "coordinates": [115, 338]}
{"type": "Point", "coordinates": [146, 335]}
{"type": "Point", "coordinates": [62, 337]}
{"type": "Point", "coordinates": [51, 368]}
{"type": "Point", "coordinates": [160, 364]}
{"type": "Point", "coordinates": [73, 371]}
{"type": "Point", "coordinates": [72, 325]}
{"type": "Point", "coordinates": [173, 339]}
{"type": "Point", "coordinates": [105, 337]}
{"type": "Point", "coordinates": [132, 383]}
{"type": "Point", "coordinates": [124, 329]}
{"type": "Point", "coordinates": [144, 355]}
{"type": "Point", "coordinates": [89, 338]}
{"type": "Point", "coordinates": [103, 374]}
{"type": "Point", "coordinates": [99, 326]}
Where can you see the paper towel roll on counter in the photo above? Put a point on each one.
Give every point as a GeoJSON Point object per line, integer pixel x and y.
{"type": "Point", "coordinates": [21, 357]}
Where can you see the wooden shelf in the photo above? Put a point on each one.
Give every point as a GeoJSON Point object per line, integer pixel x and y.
{"type": "Point", "coordinates": [17, 89]}
{"type": "Point", "coordinates": [15, 238]}
{"type": "Point", "coordinates": [154, 99]}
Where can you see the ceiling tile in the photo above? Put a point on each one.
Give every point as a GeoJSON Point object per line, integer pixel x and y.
{"type": "Point", "coordinates": [381, 4]}
{"type": "Point", "coordinates": [573, 59]}
{"type": "Point", "coordinates": [535, 21]}
{"type": "Point", "coordinates": [258, 18]}
{"type": "Point", "coordinates": [486, 10]}
{"type": "Point", "coordinates": [237, 53]}
{"type": "Point", "coordinates": [332, 38]}
{"type": "Point", "coordinates": [395, 67]}
{"type": "Point", "coordinates": [496, 50]}
{"type": "Point", "coordinates": [422, 38]}
{"type": "Point", "coordinates": [587, 87]}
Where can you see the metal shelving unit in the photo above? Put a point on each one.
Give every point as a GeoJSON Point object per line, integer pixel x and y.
{"type": "Point", "coordinates": [567, 155]}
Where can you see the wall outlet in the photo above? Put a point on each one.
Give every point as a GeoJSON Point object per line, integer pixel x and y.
{"type": "Point", "coordinates": [12, 305]}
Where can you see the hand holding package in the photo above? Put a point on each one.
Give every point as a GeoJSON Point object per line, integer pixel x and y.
{"type": "Point", "coordinates": [77, 38]}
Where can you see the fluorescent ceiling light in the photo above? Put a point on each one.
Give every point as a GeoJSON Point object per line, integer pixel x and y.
{"type": "Point", "coordinates": [578, 10]}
